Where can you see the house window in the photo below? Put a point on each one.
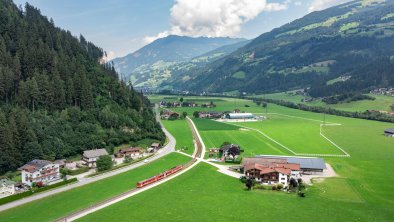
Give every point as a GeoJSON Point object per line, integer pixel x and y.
{"type": "Point", "coordinates": [283, 179]}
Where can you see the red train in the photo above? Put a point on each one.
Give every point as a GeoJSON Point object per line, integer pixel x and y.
{"type": "Point", "coordinates": [159, 177]}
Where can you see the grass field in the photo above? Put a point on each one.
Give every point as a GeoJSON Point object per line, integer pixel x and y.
{"type": "Point", "coordinates": [299, 135]}
{"type": "Point", "coordinates": [53, 207]}
{"type": "Point", "coordinates": [182, 133]}
{"type": "Point", "coordinates": [202, 194]}
{"type": "Point", "coordinates": [215, 133]}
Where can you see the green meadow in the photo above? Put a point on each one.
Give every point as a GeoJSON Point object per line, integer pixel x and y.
{"type": "Point", "coordinates": [203, 194]}
{"type": "Point", "coordinates": [214, 133]}
{"type": "Point", "coordinates": [56, 206]}
{"type": "Point", "coordinates": [299, 135]}
{"type": "Point", "coordinates": [182, 133]}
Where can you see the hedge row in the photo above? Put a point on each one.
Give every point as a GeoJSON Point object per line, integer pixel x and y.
{"type": "Point", "coordinates": [18, 196]}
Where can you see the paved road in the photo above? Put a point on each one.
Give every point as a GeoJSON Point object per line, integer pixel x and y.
{"type": "Point", "coordinates": [170, 147]}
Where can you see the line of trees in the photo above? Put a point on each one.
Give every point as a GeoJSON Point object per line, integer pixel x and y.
{"type": "Point", "coordinates": [317, 109]}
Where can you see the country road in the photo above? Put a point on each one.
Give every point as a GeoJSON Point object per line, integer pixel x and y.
{"type": "Point", "coordinates": [168, 148]}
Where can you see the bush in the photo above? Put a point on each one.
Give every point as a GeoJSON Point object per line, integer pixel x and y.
{"type": "Point", "coordinates": [279, 186]}
{"type": "Point", "coordinates": [127, 159]}
{"type": "Point", "coordinates": [274, 187]}
{"type": "Point", "coordinates": [243, 179]}
{"type": "Point", "coordinates": [104, 163]}
{"type": "Point", "coordinates": [301, 194]}
{"type": "Point", "coordinates": [261, 187]}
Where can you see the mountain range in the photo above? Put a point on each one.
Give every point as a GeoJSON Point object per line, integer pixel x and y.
{"type": "Point", "coordinates": [352, 40]}
{"type": "Point", "coordinates": [155, 62]}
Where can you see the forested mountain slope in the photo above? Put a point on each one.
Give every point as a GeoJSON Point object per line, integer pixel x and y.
{"type": "Point", "coordinates": [56, 99]}
{"type": "Point", "coordinates": [352, 39]}
{"type": "Point", "coordinates": [150, 65]}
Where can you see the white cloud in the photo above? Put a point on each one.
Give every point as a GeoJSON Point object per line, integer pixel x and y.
{"type": "Point", "coordinates": [213, 18]}
{"type": "Point", "coordinates": [318, 5]}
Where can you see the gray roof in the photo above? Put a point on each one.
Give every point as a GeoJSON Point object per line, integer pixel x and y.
{"type": "Point", "coordinates": [305, 162]}
{"type": "Point", "coordinates": [308, 163]}
{"type": "Point", "coordinates": [94, 153]}
{"type": "Point", "coordinates": [391, 130]}
{"type": "Point", "coordinates": [36, 164]}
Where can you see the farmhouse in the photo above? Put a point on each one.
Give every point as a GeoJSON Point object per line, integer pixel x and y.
{"type": "Point", "coordinates": [7, 187]}
{"type": "Point", "coordinates": [168, 114]}
{"type": "Point", "coordinates": [210, 115]}
{"type": "Point", "coordinates": [90, 157]}
{"type": "Point", "coordinates": [129, 152]}
{"type": "Point", "coordinates": [42, 171]}
{"type": "Point", "coordinates": [239, 116]}
{"type": "Point", "coordinates": [272, 173]}
{"type": "Point", "coordinates": [155, 146]}
{"type": "Point", "coordinates": [389, 132]}
{"type": "Point", "coordinates": [308, 165]}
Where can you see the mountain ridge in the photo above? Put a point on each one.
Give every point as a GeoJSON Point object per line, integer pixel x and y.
{"type": "Point", "coordinates": [306, 53]}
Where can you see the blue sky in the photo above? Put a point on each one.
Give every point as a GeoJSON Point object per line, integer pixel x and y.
{"type": "Point", "coordinates": [123, 26]}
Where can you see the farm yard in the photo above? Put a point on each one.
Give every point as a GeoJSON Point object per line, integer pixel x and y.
{"type": "Point", "coordinates": [53, 207]}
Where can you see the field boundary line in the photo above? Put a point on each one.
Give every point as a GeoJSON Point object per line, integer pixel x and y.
{"type": "Point", "coordinates": [297, 154]}
{"type": "Point", "coordinates": [265, 135]}
{"type": "Point", "coordinates": [332, 142]}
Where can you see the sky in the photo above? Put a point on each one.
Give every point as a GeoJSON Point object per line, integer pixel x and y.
{"type": "Point", "coordinates": [121, 27]}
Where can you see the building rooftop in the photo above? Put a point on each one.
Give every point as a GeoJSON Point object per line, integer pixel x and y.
{"type": "Point", "coordinates": [34, 165]}
{"type": "Point", "coordinates": [305, 162]}
{"type": "Point", "coordinates": [95, 153]}
{"type": "Point", "coordinates": [390, 130]}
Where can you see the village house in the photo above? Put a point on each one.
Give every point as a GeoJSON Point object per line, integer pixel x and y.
{"type": "Point", "coordinates": [129, 152]}
{"type": "Point", "coordinates": [308, 165]}
{"type": "Point", "coordinates": [210, 115]}
{"type": "Point", "coordinates": [42, 171]}
{"type": "Point", "coordinates": [90, 157]}
{"type": "Point", "coordinates": [389, 132]}
{"type": "Point", "coordinates": [208, 105]}
{"type": "Point", "coordinates": [271, 171]}
{"type": "Point", "coordinates": [168, 114]}
{"type": "Point", "coordinates": [154, 147]}
{"type": "Point", "coordinates": [7, 188]}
